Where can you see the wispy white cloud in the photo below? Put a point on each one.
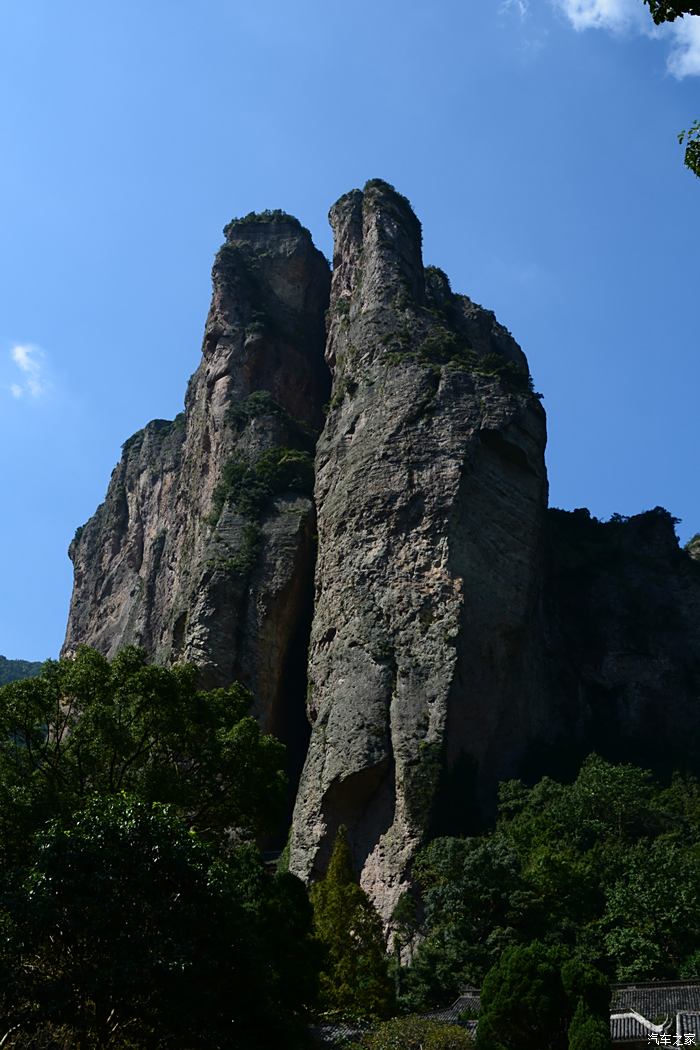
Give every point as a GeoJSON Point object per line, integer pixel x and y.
{"type": "Point", "coordinates": [520, 7]}
{"type": "Point", "coordinates": [617, 16]}
{"type": "Point", "coordinates": [632, 16]}
{"type": "Point", "coordinates": [684, 59]}
{"type": "Point", "coordinates": [30, 360]}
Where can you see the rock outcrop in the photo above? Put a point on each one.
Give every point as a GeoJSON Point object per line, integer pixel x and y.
{"type": "Point", "coordinates": [431, 494]}
{"type": "Point", "coordinates": [204, 547]}
{"type": "Point", "coordinates": [456, 631]}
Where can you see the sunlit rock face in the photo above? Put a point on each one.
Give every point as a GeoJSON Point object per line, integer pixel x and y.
{"type": "Point", "coordinates": [431, 493]}
{"type": "Point", "coordinates": [204, 547]}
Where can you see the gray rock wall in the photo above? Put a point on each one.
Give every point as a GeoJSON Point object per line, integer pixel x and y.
{"type": "Point", "coordinates": [461, 633]}
{"type": "Point", "coordinates": [431, 493]}
{"type": "Point", "coordinates": [204, 547]}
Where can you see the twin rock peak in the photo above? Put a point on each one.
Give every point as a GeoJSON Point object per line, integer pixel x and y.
{"type": "Point", "coordinates": [350, 517]}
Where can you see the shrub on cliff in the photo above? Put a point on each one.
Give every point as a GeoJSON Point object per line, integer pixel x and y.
{"type": "Point", "coordinates": [354, 981]}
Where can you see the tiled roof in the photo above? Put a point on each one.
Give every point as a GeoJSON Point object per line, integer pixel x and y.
{"type": "Point", "coordinates": [673, 1005]}
{"type": "Point", "coordinates": [334, 1034]}
{"type": "Point", "coordinates": [628, 1027]}
{"type": "Point", "coordinates": [469, 1001]}
{"type": "Point", "coordinates": [654, 999]}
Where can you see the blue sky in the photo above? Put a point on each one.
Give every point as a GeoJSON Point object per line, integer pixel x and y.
{"type": "Point", "coordinates": [537, 142]}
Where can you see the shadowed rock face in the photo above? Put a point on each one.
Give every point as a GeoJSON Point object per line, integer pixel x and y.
{"type": "Point", "coordinates": [431, 494]}
{"type": "Point", "coordinates": [621, 643]}
{"type": "Point", "coordinates": [204, 547]}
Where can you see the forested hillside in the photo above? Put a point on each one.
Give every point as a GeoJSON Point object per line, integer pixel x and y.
{"type": "Point", "coordinates": [12, 670]}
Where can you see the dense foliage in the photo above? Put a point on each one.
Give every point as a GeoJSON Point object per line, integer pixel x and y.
{"type": "Point", "coordinates": [354, 980]}
{"type": "Point", "coordinates": [539, 998]}
{"type": "Point", "coordinates": [135, 910]}
{"type": "Point", "coordinates": [134, 907]}
{"type": "Point", "coordinates": [125, 927]}
{"type": "Point", "coordinates": [669, 10]}
{"type": "Point", "coordinates": [691, 140]}
{"type": "Point", "coordinates": [86, 726]}
{"type": "Point", "coordinates": [606, 866]}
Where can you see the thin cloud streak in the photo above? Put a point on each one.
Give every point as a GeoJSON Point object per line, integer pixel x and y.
{"type": "Point", "coordinates": [522, 7]}
{"type": "Point", "coordinates": [30, 360]}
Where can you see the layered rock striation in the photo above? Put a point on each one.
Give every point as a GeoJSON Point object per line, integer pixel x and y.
{"type": "Point", "coordinates": [204, 547]}
{"type": "Point", "coordinates": [431, 494]}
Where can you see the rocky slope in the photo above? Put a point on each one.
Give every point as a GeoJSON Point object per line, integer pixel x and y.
{"type": "Point", "coordinates": [204, 547]}
{"type": "Point", "coordinates": [431, 494]}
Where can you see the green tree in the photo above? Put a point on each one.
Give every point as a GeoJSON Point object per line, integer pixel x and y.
{"type": "Point", "coordinates": [354, 980]}
{"type": "Point", "coordinates": [588, 988]}
{"type": "Point", "coordinates": [588, 1032]}
{"type": "Point", "coordinates": [605, 867]}
{"type": "Point", "coordinates": [130, 932]}
{"type": "Point", "coordinates": [475, 903]}
{"type": "Point", "coordinates": [652, 918]}
{"type": "Point", "coordinates": [523, 1003]}
{"type": "Point", "coordinates": [88, 726]}
{"type": "Point", "coordinates": [691, 139]}
{"type": "Point", "coordinates": [539, 998]}
{"type": "Point", "coordinates": [669, 10]}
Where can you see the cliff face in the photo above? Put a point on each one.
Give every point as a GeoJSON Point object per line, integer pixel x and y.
{"type": "Point", "coordinates": [431, 494]}
{"type": "Point", "coordinates": [461, 633]}
{"type": "Point", "coordinates": [204, 547]}
{"type": "Point", "coordinates": [621, 644]}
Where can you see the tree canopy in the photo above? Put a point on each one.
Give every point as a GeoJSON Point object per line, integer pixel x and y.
{"type": "Point", "coordinates": [128, 930]}
{"type": "Point", "coordinates": [670, 10]}
{"type": "Point", "coordinates": [135, 910]}
{"type": "Point", "coordinates": [87, 726]}
{"type": "Point", "coordinates": [539, 998]}
{"type": "Point", "coordinates": [605, 866]}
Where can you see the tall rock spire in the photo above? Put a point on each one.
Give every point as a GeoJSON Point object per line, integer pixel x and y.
{"type": "Point", "coordinates": [204, 547]}
{"type": "Point", "coordinates": [431, 493]}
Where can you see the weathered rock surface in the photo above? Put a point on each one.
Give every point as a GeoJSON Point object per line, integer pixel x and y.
{"type": "Point", "coordinates": [461, 633]}
{"type": "Point", "coordinates": [204, 547]}
{"type": "Point", "coordinates": [431, 493]}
